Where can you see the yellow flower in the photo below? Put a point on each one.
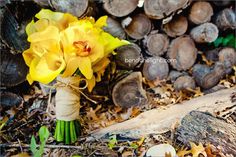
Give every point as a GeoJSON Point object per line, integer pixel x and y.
{"type": "Point", "coordinates": [44, 57]}
{"type": "Point", "coordinates": [47, 17]}
{"type": "Point", "coordinates": [85, 43]}
{"type": "Point", "coordinates": [60, 42]}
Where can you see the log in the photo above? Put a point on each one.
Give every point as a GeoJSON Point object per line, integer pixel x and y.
{"type": "Point", "coordinates": [182, 52]}
{"type": "Point", "coordinates": [120, 8]}
{"type": "Point", "coordinates": [129, 91]}
{"type": "Point", "coordinates": [200, 12]}
{"type": "Point", "coordinates": [155, 68]}
{"type": "Point", "coordinates": [184, 82]}
{"type": "Point", "coordinates": [226, 19]}
{"type": "Point", "coordinates": [227, 56]}
{"type": "Point", "coordinates": [205, 33]}
{"type": "Point", "coordinates": [213, 55]}
{"type": "Point", "coordinates": [114, 28]}
{"type": "Point", "coordinates": [176, 27]}
{"type": "Point", "coordinates": [222, 3]}
{"type": "Point", "coordinates": [43, 3]}
{"type": "Point", "coordinates": [13, 69]}
{"type": "Point", "coordinates": [160, 120]}
{"type": "Point", "coordinates": [75, 7]}
{"type": "Point", "coordinates": [205, 128]}
{"type": "Point", "coordinates": [137, 26]}
{"type": "Point", "coordinates": [174, 75]}
{"type": "Point", "coordinates": [12, 32]}
{"type": "Point", "coordinates": [9, 100]}
{"type": "Point", "coordinates": [159, 9]}
{"type": "Point", "coordinates": [129, 56]}
{"type": "Point", "coordinates": [156, 43]}
{"type": "Point", "coordinates": [207, 77]}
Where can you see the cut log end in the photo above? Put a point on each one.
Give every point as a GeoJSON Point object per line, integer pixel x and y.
{"type": "Point", "coordinates": [120, 8]}
{"type": "Point", "coordinates": [129, 56]}
{"type": "Point", "coordinates": [226, 19]}
{"type": "Point", "coordinates": [129, 91]}
{"type": "Point", "coordinates": [176, 27]}
{"type": "Point", "coordinates": [139, 26]}
{"type": "Point", "coordinates": [155, 68]}
{"type": "Point", "coordinates": [114, 28]}
{"type": "Point", "coordinates": [156, 44]}
{"type": "Point", "coordinates": [75, 7]}
{"type": "Point", "coordinates": [157, 9]}
{"type": "Point", "coordinates": [201, 12]}
{"type": "Point", "coordinates": [205, 33]}
{"type": "Point", "coordinates": [184, 82]}
{"type": "Point", "coordinates": [207, 77]}
{"type": "Point", "coordinates": [182, 52]}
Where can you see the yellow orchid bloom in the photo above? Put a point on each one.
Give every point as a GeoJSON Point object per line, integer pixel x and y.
{"type": "Point", "coordinates": [85, 43]}
{"type": "Point", "coordinates": [61, 42]}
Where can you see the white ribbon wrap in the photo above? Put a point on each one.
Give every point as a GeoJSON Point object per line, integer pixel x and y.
{"type": "Point", "coordinates": [68, 98]}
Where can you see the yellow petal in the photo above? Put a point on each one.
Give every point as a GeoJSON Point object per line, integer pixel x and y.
{"type": "Point", "coordinates": [91, 83]}
{"type": "Point", "coordinates": [28, 56]}
{"type": "Point", "coordinates": [50, 15]}
{"type": "Point", "coordinates": [51, 32]}
{"type": "Point", "coordinates": [111, 43]}
{"type": "Point", "coordinates": [29, 79]}
{"type": "Point", "coordinates": [102, 21]}
{"type": "Point", "coordinates": [40, 71]}
{"type": "Point", "coordinates": [102, 64]}
{"type": "Point", "coordinates": [30, 28]}
{"type": "Point", "coordinates": [97, 53]}
{"type": "Point", "coordinates": [71, 66]}
{"type": "Point", "coordinates": [85, 67]}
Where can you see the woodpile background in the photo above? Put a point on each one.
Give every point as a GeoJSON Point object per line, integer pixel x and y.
{"type": "Point", "coordinates": [171, 43]}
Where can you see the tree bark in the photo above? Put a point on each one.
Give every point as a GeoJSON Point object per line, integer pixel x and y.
{"type": "Point", "coordinates": [200, 12]}
{"type": "Point", "coordinates": [176, 27]}
{"type": "Point", "coordinates": [205, 128]}
{"type": "Point", "coordinates": [159, 9]}
{"type": "Point", "coordinates": [120, 8]}
{"type": "Point", "coordinates": [160, 120]}
{"type": "Point", "coordinates": [137, 26]}
{"type": "Point", "coordinates": [156, 43]}
{"type": "Point", "coordinates": [182, 52]}
{"type": "Point", "coordinates": [204, 33]}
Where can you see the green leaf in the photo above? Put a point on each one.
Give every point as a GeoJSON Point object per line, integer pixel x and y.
{"type": "Point", "coordinates": [134, 145]}
{"type": "Point", "coordinates": [43, 134]}
{"type": "Point", "coordinates": [76, 156]}
{"type": "Point", "coordinates": [218, 41]}
{"type": "Point", "coordinates": [112, 141]}
{"type": "Point", "coordinates": [227, 39]}
{"type": "Point", "coordinates": [33, 145]}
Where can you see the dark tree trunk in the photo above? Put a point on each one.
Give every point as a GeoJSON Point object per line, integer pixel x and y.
{"type": "Point", "coordinates": [203, 127]}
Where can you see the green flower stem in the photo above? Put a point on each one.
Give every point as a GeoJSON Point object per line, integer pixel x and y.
{"type": "Point", "coordinates": [67, 131]}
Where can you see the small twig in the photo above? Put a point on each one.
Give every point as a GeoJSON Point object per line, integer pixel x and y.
{"type": "Point", "coordinates": [46, 146]}
{"type": "Point", "coordinates": [20, 145]}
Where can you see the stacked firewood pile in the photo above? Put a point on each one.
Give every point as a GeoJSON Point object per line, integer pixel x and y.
{"type": "Point", "coordinates": [189, 45]}
{"type": "Point", "coordinates": [170, 41]}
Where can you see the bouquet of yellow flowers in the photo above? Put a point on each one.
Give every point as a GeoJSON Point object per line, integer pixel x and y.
{"type": "Point", "coordinates": [68, 49]}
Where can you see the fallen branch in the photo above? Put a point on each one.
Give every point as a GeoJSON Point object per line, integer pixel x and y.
{"type": "Point", "coordinates": [161, 119]}
{"type": "Point", "coordinates": [46, 146]}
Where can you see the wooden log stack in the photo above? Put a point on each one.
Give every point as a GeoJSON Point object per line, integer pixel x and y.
{"type": "Point", "coordinates": [166, 38]}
